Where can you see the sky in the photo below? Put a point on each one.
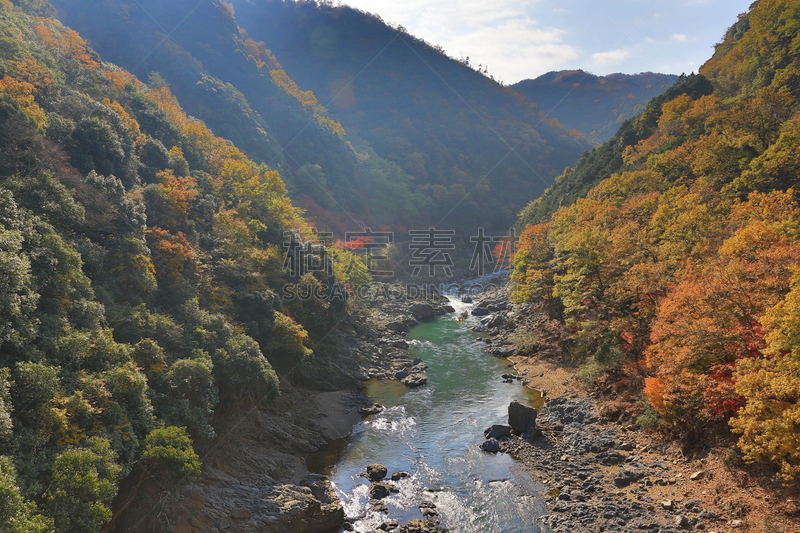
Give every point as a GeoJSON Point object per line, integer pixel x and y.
{"type": "Point", "coordinates": [519, 39]}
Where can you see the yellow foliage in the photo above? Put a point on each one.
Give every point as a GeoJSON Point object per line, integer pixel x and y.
{"type": "Point", "coordinates": [770, 422]}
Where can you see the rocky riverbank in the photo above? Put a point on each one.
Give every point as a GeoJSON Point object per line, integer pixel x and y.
{"type": "Point", "coordinates": [254, 476]}
{"type": "Point", "coordinates": [603, 475]}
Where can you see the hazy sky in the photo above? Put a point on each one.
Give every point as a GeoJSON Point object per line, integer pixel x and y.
{"type": "Point", "coordinates": [521, 39]}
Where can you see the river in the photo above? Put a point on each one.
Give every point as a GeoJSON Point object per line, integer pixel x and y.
{"type": "Point", "coordinates": [433, 433]}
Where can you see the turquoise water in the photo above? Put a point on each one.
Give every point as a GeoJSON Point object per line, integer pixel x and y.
{"type": "Point", "coordinates": [433, 433]}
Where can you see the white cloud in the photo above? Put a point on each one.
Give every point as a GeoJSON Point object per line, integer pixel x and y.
{"type": "Point", "coordinates": [679, 37]}
{"type": "Point", "coordinates": [614, 57]}
{"type": "Point", "coordinates": [502, 34]}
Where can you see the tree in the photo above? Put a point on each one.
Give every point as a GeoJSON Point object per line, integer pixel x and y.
{"type": "Point", "coordinates": [82, 487]}
{"type": "Point", "coordinates": [769, 423]}
{"type": "Point", "coordinates": [16, 514]}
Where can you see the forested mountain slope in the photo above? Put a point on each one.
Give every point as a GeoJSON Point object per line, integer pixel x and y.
{"type": "Point", "coordinates": [140, 260]}
{"type": "Point", "coordinates": [474, 147]}
{"type": "Point", "coordinates": [670, 255]}
{"type": "Point", "coordinates": [240, 90]}
{"type": "Point", "coordinates": [595, 106]}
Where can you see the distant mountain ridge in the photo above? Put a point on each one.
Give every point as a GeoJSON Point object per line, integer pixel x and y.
{"type": "Point", "coordinates": [474, 147]}
{"type": "Point", "coordinates": [595, 106]}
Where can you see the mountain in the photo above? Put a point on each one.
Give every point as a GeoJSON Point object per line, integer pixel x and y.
{"type": "Point", "coordinates": [595, 106]}
{"type": "Point", "coordinates": [668, 257]}
{"type": "Point", "coordinates": [239, 89]}
{"type": "Point", "coordinates": [474, 147]}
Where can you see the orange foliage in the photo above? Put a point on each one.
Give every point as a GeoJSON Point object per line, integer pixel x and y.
{"type": "Point", "coordinates": [174, 257]}
{"type": "Point", "coordinates": [22, 92]}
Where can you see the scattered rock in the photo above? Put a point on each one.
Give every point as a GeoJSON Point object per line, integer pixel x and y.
{"type": "Point", "coordinates": [626, 476]}
{"type": "Point", "coordinates": [697, 476]}
{"type": "Point", "coordinates": [397, 476]}
{"type": "Point", "coordinates": [681, 521]}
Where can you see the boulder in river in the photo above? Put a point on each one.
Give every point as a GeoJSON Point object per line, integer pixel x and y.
{"type": "Point", "coordinates": [422, 525]}
{"type": "Point", "coordinates": [373, 409]}
{"type": "Point", "coordinates": [402, 374]}
{"type": "Point", "coordinates": [466, 299]}
{"type": "Point", "coordinates": [415, 380]}
{"type": "Point", "coordinates": [521, 418]}
{"type": "Point", "coordinates": [381, 490]}
{"type": "Point", "coordinates": [491, 445]}
{"type": "Point", "coordinates": [497, 431]}
{"type": "Point", "coordinates": [479, 311]}
{"type": "Point", "coordinates": [376, 472]}
{"type": "Point", "coordinates": [422, 310]}
{"type": "Point", "coordinates": [397, 476]}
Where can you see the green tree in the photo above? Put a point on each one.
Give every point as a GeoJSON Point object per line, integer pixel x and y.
{"type": "Point", "coordinates": [82, 487]}
{"type": "Point", "coordinates": [17, 515]}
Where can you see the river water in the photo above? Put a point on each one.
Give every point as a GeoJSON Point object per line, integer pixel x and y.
{"type": "Point", "coordinates": [433, 433]}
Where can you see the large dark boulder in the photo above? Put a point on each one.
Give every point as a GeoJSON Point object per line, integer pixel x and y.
{"type": "Point", "coordinates": [491, 445]}
{"type": "Point", "coordinates": [521, 418]}
{"type": "Point", "coordinates": [376, 472]}
{"type": "Point", "coordinates": [423, 310]}
{"type": "Point", "coordinates": [497, 431]}
{"type": "Point", "coordinates": [381, 490]}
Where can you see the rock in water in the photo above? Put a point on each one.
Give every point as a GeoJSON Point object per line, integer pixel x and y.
{"type": "Point", "coordinates": [491, 446]}
{"type": "Point", "coordinates": [421, 311]}
{"type": "Point", "coordinates": [521, 418]}
{"type": "Point", "coordinates": [424, 525]}
{"type": "Point", "coordinates": [381, 490]}
{"type": "Point", "coordinates": [376, 472]}
{"type": "Point", "coordinates": [415, 380]}
{"type": "Point", "coordinates": [373, 409]}
{"type": "Point", "coordinates": [497, 431]}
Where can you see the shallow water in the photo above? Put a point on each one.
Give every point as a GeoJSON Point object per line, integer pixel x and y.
{"type": "Point", "coordinates": [433, 433]}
